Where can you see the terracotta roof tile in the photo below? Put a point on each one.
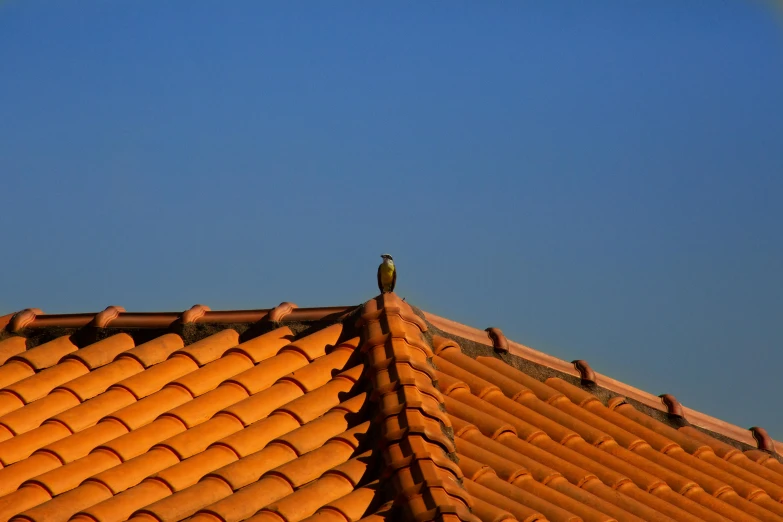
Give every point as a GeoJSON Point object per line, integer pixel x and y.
{"type": "Point", "coordinates": [376, 416]}
{"type": "Point", "coordinates": [155, 351]}
{"type": "Point", "coordinates": [658, 451]}
{"type": "Point", "coordinates": [32, 415]}
{"type": "Point", "coordinates": [13, 371]}
{"type": "Point", "coordinates": [47, 354]}
{"type": "Point", "coordinates": [43, 382]}
{"type": "Point", "coordinates": [11, 346]}
{"type": "Point", "coordinates": [97, 381]}
{"type": "Point", "coordinates": [349, 507]}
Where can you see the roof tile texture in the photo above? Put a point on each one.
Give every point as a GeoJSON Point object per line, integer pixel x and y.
{"type": "Point", "coordinates": [612, 459]}
{"type": "Point", "coordinates": [377, 420]}
{"type": "Point", "coordinates": [271, 427]}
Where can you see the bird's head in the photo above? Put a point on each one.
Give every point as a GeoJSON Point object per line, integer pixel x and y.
{"type": "Point", "coordinates": [387, 257]}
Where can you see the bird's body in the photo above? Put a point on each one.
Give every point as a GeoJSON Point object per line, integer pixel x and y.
{"type": "Point", "coordinates": [387, 274]}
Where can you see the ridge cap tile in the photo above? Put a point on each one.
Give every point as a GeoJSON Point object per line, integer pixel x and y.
{"type": "Point", "coordinates": [407, 414]}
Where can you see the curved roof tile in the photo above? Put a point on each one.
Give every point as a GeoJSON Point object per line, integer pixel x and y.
{"type": "Point", "coordinates": [323, 418]}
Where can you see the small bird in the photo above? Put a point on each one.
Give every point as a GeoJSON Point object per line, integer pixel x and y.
{"type": "Point", "coordinates": [387, 274]}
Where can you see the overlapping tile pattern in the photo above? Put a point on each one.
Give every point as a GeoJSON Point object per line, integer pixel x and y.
{"type": "Point", "coordinates": [415, 430]}
{"type": "Point", "coordinates": [267, 429]}
{"type": "Point", "coordinates": [554, 448]}
{"type": "Point", "coordinates": [375, 419]}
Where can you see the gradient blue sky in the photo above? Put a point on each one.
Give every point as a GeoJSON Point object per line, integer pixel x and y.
{"type": "Point", "coordinates": [602, 181]}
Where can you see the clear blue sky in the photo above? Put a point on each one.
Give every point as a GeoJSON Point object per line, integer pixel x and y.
{"type": "Point", "coordinates": [600, 181]}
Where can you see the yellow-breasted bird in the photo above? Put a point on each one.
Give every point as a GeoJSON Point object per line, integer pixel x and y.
{"type": "Point", "coordinates": [387, 274]}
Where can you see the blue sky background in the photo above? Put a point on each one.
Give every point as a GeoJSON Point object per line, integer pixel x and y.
{"type": "Point", "coordinates": [602, 181]}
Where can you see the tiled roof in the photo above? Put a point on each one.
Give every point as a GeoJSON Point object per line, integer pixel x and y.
{"type": "Point", "coordinates": [379, 412]}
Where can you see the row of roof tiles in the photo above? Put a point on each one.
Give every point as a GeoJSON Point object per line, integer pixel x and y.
{"type": "Point", "coordinates": [117, 317]}
{"type": "Point", "coordinates": [511, 428]}
{"type": "Point", "coordinates": [270, 429]}
{"type": "Point", "coordinates": [152, 420]}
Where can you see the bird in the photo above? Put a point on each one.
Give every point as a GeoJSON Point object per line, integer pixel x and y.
{"type": "Point", "coordinates": [387, 274]}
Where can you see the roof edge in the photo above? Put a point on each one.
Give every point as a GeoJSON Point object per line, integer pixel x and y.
{"type": "Point", "coordinates": [697, 418]}
{"type": "Point", "coordinates": [118, 318]}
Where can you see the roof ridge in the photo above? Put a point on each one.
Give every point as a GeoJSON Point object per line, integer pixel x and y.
{"type": "Point", "coordinates": [117, 317]}
{"type": "Point", "coordinates": [417, 437]}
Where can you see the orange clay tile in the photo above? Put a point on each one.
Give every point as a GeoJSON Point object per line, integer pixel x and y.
{"type": "Point", "coordinates": [195, 313]}
{"type": "Point", "coordinates": [212, 347]}
{"type": "Point", "coordinates": [102, 319]}
{"type": "Point", "coordinates": [69, 476]}
{"type": "Point", "coordinates": [80, 444]}
{"type": "Point", "coordinates": [265, 346]}
{"type": "Point", "coordinates": [156, 377]}
{"type": "Point", "coordinates": [264, 402]}
{"type": "Point", "coordinates": [255, 437]}
{"type": "Point", "coordinates": [21, 446]}
{"type": "Point", "coordinates": [9, 401]}
{"type": "Point", "coordinates": [103, 352]}
{"type": "Point", "coordinates": [763, 439]}
{"type": "Point", "coordinates": [144, 411]}
{"type": "Point", "coordinates": [97, 381]}
{"type": "Point", "coordinates": [155, 351]}
{"type": "Point", "coordinates": [176, 476]}
{"type": "Point", "coordinates": [320, 370]}
{"type": "Point", "coordinates": [22, 319]}
{"type": "Point", "coordinates": [189, 471]}
{"type": "Point", "coordinates": [244, 503]}
{"type": "Point", "coordinates": [310, 465]}
{"type": "Point", "coordinates": [351, 506]}
{"type": "Point", "coordinates": [499, 341]}
{"type": "Point", "coordinates": [279, 312]}
{"type": "Point", "coordinates": [371, 418]}
{"type": "Point", "coordinates": [332, 485]}
{"type": "Point", "coordinates": [185, 502]}
{"type": "Point", "coordinates": [586, 373]}
{"type": "Point", "coordinates": [11, 346]}
{"type": "Point", "coordinates": [31, 416]}
{"type": "Point", "coordinates": [13, 476]}
{"type": "Point", "coordinates": [289, 470]}
{"type": "Point", "coordinates": [47, 354]}
{"type": "Point", "coordinates": [202, 408]}
{"type": "Point", "coordinates": [22, 499]}
{"type": "Point", "coordinates": [211, 375]}
{"type": "Point", "coordinates": [195, 440]}
{"type": "Point", "coordinates": [140, 440]}
{"type": "Point", "coordinates": [88, 413]}
{"type": "Point", "coordinates": [96, 506]}
{"type": "Point", "coordinates": [146, 493]}
{"type": "Point", "coordinates": [393, 336]}
{"type": "Point", "coordinates": [14, 370]}
{"type": "Point", "coordinates": [327, 396]}
{"type": "Point", "coordinates": [58, 508]}
{"type": "Point", "coordinates": [526, 491]}
{"type": "Point", "coordinates": [43, 382]}
{"type": "Point", "coordinates": [317, 344]}
{"type": "Point", "coordinates": [267, 372]}
{"type": "Point", "coordinates": [765, 459]}
{"type": "Point", "coordinates": [520, 511]}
